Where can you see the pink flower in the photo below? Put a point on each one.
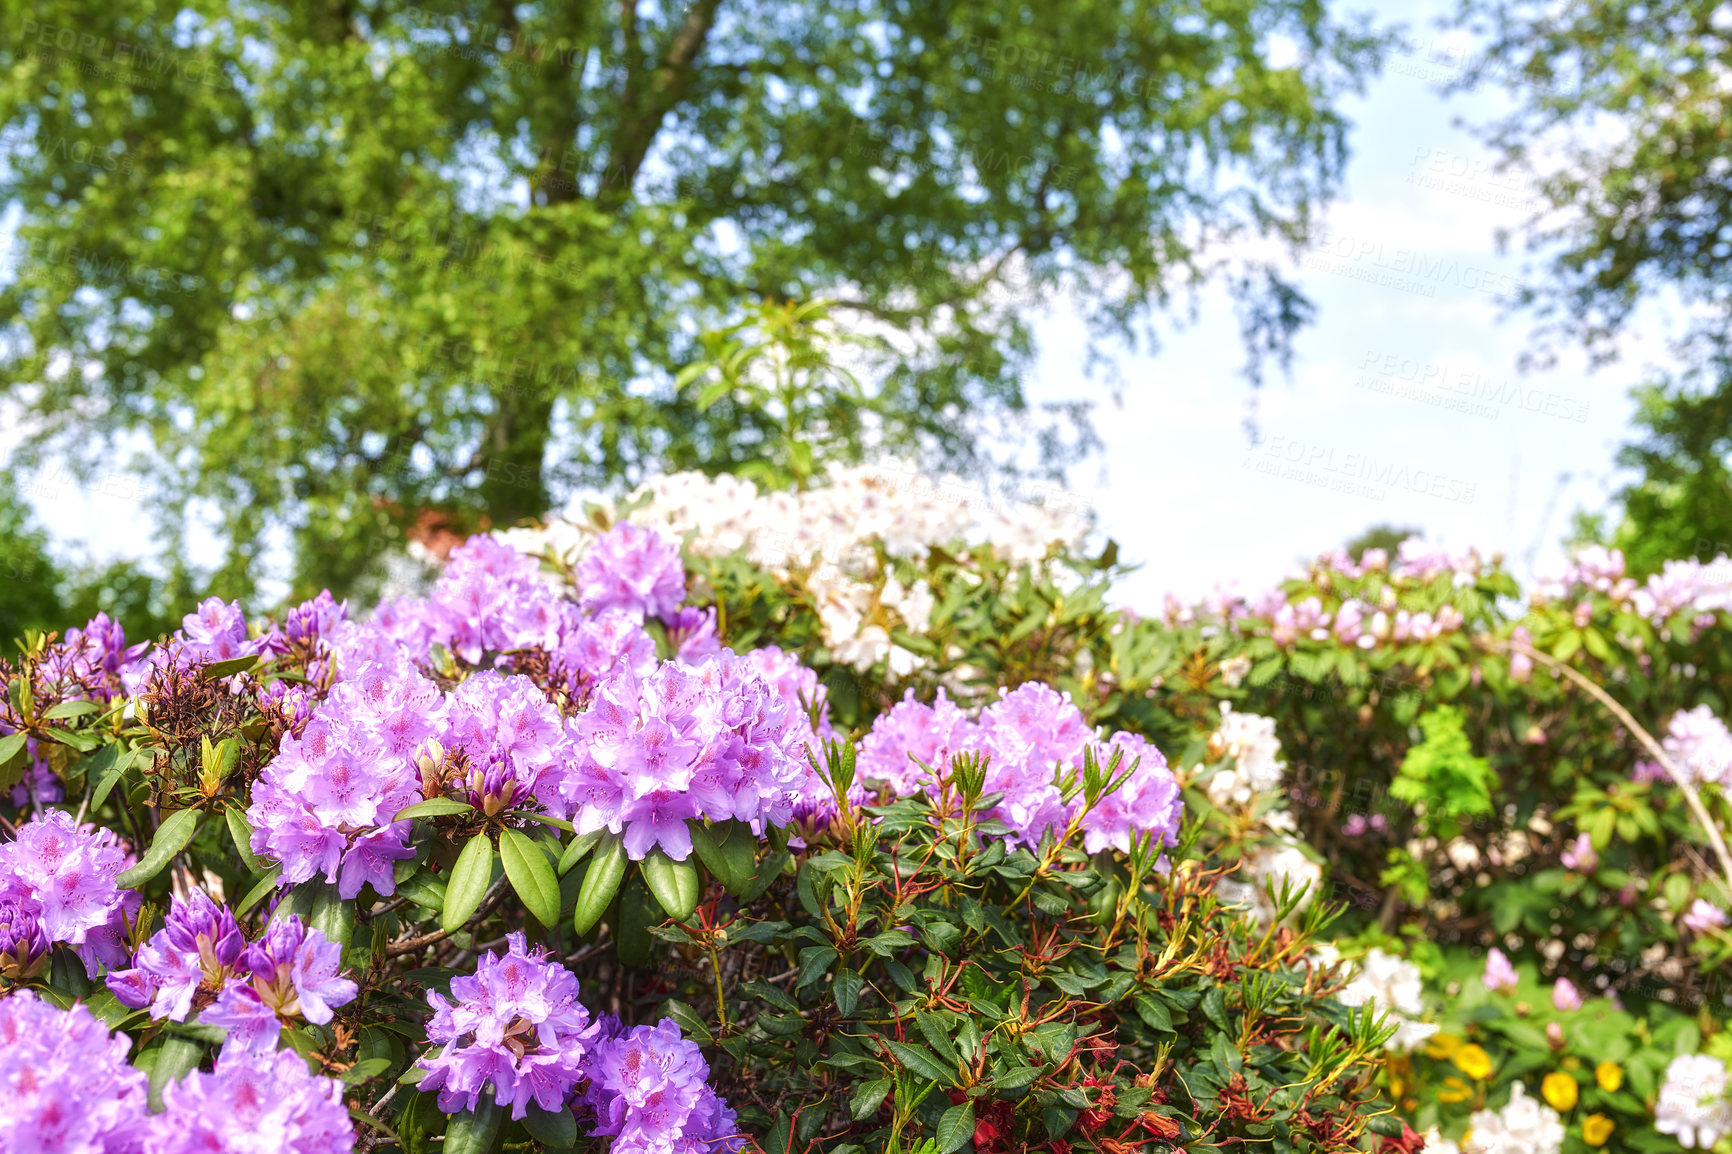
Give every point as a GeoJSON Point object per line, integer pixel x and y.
{"type": "Point", "coordinates": [1499, 974]}
{"type": "Point", "coordinates": [1703, 917]}
{"type": "Point", "coordinates": [1580, 856]}
{"type": "Point", "coordinates": [1565, 996]}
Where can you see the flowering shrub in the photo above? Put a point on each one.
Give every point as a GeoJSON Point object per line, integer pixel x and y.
{"type": "Point", "coordinates": [550, 858]}
{"type": "Point", "coordinates": [1406, 733]}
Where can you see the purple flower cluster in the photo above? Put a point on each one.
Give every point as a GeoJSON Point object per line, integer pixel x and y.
{"type": "Point", "coordinates": [200, 959]}
{"type": "Point", "coordinates": [649, 1088]}
{"type": "Point", "coordinates": [65, 1082]}
{"type": "Point", "coordinates": [1032, 738]}
{"type": "Point", "coordinates": [93, 662]}
{"type": "Point", "coordinates": [516, 1026]}
{"type": "Point", "coordinates": [62, 876]}
{"type": "Point", "coordinates": [723, 738]}
{"type": "Point", "coordinates": [324, 804]}
{"type": "Point", "coordinates": [634, 569]}
{"type": "Point", "coordinates": [491, 605]}
{"type": "Point", "coordinates": [66, 1086]}
{"type": "Point", "coordinates": [715, 740]}
{"type": "Point", "coordinates": [252, 1104]}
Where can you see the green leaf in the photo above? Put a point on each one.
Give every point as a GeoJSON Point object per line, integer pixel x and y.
{"type": "Point", "coordinates": [217, 670]}
{"type": "Point", "coordinates": [691, 1024]}
{"type": "Point", "coordinates": [171, 837]}
{"type": "Point", "coordinates": [728, 850]}
{"type": "Point", "coordinates": [557, 1130]}
{"type": "Point", "coordinates": [531, 875]}
{"type": "Point", "coordinates": [468, 882]}
{"type": "Point", "coordinates": [425, 890]}
{"type": "Point", "coordinates": [1016, 1078]}
{"type": "Point", "coordinates": [176, 1057]}
{"type": "Point", "coordinates": [637, 913]}
{"type": "Point", "coordinates": [68, 709]}
{"type": "Point", "coordinates": [474, 1131]}
{"type": "Point", "coordinates": [600, 884]}
{"type": "Point", "coordinates": [814, 963]}
{"type": "Point", "coordinates": [417, 1120]}
{"type": "Point", "coordinates": [109, 776]}
{"type": "Point", "coordinates": [675, 884]}
{"type": "Point", "coordinates": [241, 831]}
{"type": "Point", "coordinates": [845, 988]}
{"type": "Point", "coordinates": [1605, 822]}
{"type": "Point", "coordinates": [869, 1097]}
{"type": "Point", "coordinates": [433, 807]}
{"type": "Point", "coordinates": [12, 750]}
{"type": "Point", "coordinates": [331, 915]}
{"type": "Point", "coordinates": [578, 850]}
{"type": "Point", "coordinates": [263, 886]}
{"type": "Point", "coordinates": [956, 1127]}
{"type": "Point", "coordinates": [919, 1060]}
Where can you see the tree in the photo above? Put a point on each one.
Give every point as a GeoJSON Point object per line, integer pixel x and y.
{"type": "Point", "coordinates": [346, 262]}
{"type": "Point", "coordinates": [1380, 536]}
{"type": "Point", "coordinates": [1621, 121]}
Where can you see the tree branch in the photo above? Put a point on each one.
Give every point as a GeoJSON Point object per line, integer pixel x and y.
{"type": "Point", "coordinates": [642, 111]}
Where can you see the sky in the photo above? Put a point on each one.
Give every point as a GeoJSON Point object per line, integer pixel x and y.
{"type": "Point", "coordinates": [1404, 405]}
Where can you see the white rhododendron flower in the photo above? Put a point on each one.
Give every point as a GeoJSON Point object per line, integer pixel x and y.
{"type": "Point", "coordinates": [1700, 744]}
{"type": "Point", "coordinates": [1436, 1143]}
{"type": "Point", "coordinates": [1267, 867]}
{"type": "Point", "coordinates": [1250, 741]}
{"type": "Point", "coordinates": [1524, 1126]}
{"type": "Point", "coordinates": [1393, 985]}
{"type": "Point", "coordinates": [829, 537]}
{"type": "Point", "coordinates": [1693, 1104]}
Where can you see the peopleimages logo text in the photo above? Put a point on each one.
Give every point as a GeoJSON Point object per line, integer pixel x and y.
{"type": "Point", "coordinates": [1427, 381]}
{"type": "Point", "coordinates": [1364, 468]}
{"type": "Point", "coordinates": [1396, 260]}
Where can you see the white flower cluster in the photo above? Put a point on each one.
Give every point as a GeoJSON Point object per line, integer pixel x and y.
{"type": "Point", "coordinates": [1249, 741]}
{"type": "Point", "coordinates": [1700, 745]}
{"type": "Point", "coordinates": [1692, 1105]}
{"type": "Point", "coordinates": [829, 538]}
{"type": "Point", "coordinates": [1393, 985]}
{"type": "Point", "coordinates": [1269, 866]}
{"type": "Point", "coordinates": [1524, 1126]}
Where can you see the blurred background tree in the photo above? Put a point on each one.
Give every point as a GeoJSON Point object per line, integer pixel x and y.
{"type": "Point", "coordinates": [1623, 117]}
{"type": "Point", "coordinates": [348, 267]}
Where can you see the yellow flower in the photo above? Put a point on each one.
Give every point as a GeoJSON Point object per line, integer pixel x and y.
{"type": "Point", "coordinates": [1454, 1090]}
{"type": "Point", "coordinates": [1474, 1062]}
{"type": "Point", "coordinates": [1442, 1046]}
{"type": "Point", "coordinates": [1609, 1076]}
{"type": "Point", "coordinates": [1560, 1090]}
{"type": "Point", "coordinates": [1596, 1128]}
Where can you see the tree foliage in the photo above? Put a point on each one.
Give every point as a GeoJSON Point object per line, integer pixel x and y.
{"type": "Point", "coordinates": [348, 263]}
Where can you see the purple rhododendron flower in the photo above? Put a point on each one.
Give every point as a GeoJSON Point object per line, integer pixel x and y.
{"type": "Point", "coordinates": [68, 871]}
{"type": "Point", "coordinates": [324, 804]}
{"type": "Point", "coordinates": [634, 569]}
{"type": "Point", "coordinates": [1147, 802]}
{"type": "Point", "coordinates": [911, 740]}
{"type": "Point", "coordinates": [22, 942]}
{"type": "Point", "coordinates": [1031, 737]}
{"type": "Point", "coordinates": [714, 740]}
{"type": "Point", "coordinates": [649, 1088]}
{"type": "Point", "coordinates": [65, 1084]}
{"type": "Point", "coordinates": [515, 1025]}
{"type": "Point", "coordinates": [296, 969]}
{"type": "Point", "coordinates": [197, 947]}
{"type": "Point", "coordinates": [252, 1104]}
